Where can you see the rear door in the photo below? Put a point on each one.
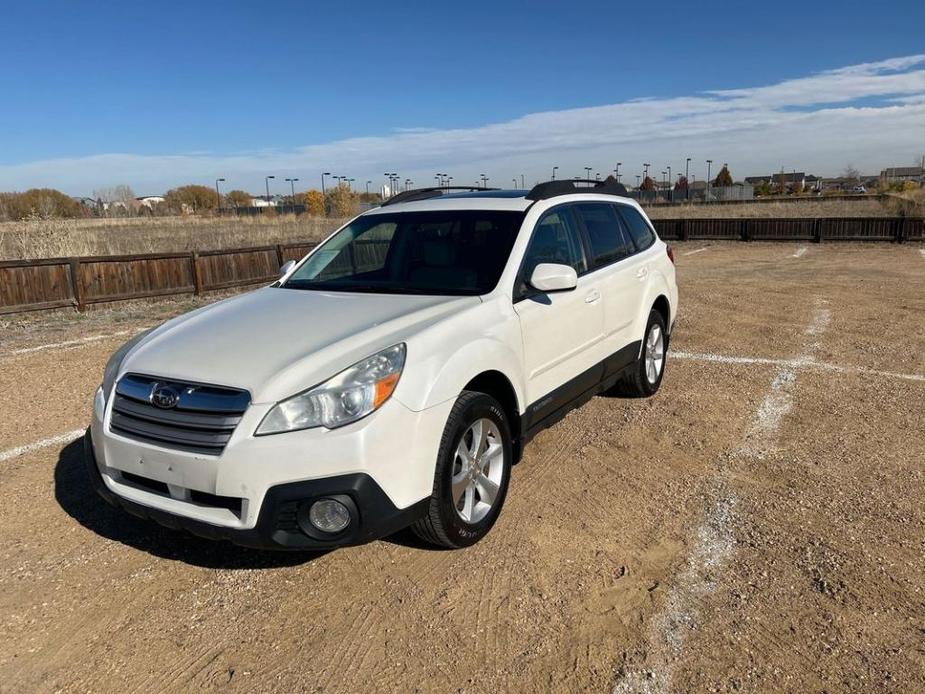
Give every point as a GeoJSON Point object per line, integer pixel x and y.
{"type": "Point", "coordinates": [620, 275]}
{"type": "Point", "coordinates": [562, 331]}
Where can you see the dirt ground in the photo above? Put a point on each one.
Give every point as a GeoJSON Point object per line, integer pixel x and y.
{"type": "Point", "coordinates": [757, 526]}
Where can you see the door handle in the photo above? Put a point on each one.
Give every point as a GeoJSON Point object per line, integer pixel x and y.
{"type": "Point", "coordinates": [592, 296]}
{"type": "Point", "coordinates": [642, 273]}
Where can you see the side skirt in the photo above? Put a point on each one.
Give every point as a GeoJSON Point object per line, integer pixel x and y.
{"type": "Point", "coordinates": [576, 392]}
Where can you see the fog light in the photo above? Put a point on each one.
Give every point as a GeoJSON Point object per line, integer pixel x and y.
{"type": "Point", "coordinates": [329, 516]}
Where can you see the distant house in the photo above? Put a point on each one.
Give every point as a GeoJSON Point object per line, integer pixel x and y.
{"type": "Point", "coordinates": [792, 180]}
{"type": "Point", "coordinates": [903, 173]}
{"type": "Point", "coordinates": [149, 201]}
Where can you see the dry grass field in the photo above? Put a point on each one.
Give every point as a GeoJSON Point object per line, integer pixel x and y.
{"type": "Point", "coordinates": [820, 207]}
{"type": "Point", "coordinates": [757, 526]}
{"type": "Point", "coordinates": [74, 237]}
{"type": "Point", "coordinates": [62, 238]}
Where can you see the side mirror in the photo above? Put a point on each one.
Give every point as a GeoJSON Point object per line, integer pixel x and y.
{"type": "Point", "coordinates": [286, 267]}
{"type": "Point", "coordinates": [552, 277]}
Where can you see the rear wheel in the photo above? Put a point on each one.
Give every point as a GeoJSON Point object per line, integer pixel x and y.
{"type": "Point", "coordinates": [473, 470]}
{"type": "Point", "coordinates": [643, 378]}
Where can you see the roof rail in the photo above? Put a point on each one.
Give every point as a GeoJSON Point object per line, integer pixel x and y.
{"type": "Point", "coordinates": [426, 193]}
{"type": "Point", "coordinates": [551, 189]}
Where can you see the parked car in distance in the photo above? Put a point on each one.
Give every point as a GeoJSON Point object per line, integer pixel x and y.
{"type": "Point", "coordinates": [859, 189]}
{"type": "Point", "coordinates": [393, 376]}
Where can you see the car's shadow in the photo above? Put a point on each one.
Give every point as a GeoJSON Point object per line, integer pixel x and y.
{"type": "Point", "coordinates": [74, 493]}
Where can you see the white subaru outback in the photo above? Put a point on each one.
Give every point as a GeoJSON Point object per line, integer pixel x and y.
{"type": "Point", "coordinates": [392, 377]}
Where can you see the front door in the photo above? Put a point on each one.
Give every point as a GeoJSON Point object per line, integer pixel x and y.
{"type": "Point", "coordinates": [562, 331]}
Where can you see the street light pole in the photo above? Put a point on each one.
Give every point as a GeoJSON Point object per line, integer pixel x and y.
{"type": "Point", "coordinates": [217, 194]}
{"type": "Point", "coordinates": [515, 182]}
{"type": "Point", "coordinates": [617, 171]}
{"type": "Point", "coordinates": [687, 177]}
{"type": "Point", "coordinates": [521, 181]}
{"type": "Point", "coordinates": [588, 170]}
{"type": "Point", "coordinates": [367, 188]}
{"type": "Point", "coordinates": [292, 188]}
{"type": "Point", "coordinates": [554, 169]}
{"type": "Point", "coordinates": [670, 191]}
{"type": "Point", "coordinates": [266, 181]}
{"type": "Point", "coordinates": [709, 164]}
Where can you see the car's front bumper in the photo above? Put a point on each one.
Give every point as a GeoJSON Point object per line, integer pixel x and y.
{"type": "Point", "coordinates": [280, 524]}
{"type": "Point", "coordinates": [253, 491]}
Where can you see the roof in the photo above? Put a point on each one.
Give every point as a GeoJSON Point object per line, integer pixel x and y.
{"type": "Point", "coordinates": [902, 171]}
{"type": "Point", "coordinates": [790, 177]}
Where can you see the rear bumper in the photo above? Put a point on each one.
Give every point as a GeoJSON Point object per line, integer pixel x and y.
{"type": "Point", "coordinates": [281, 524]}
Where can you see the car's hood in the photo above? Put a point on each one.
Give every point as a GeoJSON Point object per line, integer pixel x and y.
{"type": "Point", "coordinates": [275, 342]}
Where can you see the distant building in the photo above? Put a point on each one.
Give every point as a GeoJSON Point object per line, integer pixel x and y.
{"type": "Point", "coordinates": [903, 173]}
{"type": "Point", "coordinates": [149, 201]}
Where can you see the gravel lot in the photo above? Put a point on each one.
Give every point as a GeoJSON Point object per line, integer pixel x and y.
{"type": "Point", "coordinates": [758, 526]}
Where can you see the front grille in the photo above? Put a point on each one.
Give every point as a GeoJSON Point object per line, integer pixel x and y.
{"type": "Point", "coordinates": [202, 420]}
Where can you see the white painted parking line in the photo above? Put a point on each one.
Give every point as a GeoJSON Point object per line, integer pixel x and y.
{"type": "Point", "coordinates": [805, 363]}
{"type": "Point", "coordinates": [697, 250]}
{"type": "Point", "coordinates": [713, 542]}
{"type": "Point", "coordinates": [50, 441]}
{"type": "Point", "coordinates": [799, 252]}
{"type": "Point", "coordinates": [76, 342]}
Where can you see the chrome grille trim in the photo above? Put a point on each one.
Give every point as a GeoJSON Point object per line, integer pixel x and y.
{"type": "Point", "coordinates": [202, 421]}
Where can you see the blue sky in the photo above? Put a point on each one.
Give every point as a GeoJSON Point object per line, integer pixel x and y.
{"type": "Point", "coordinates": [156, 95]}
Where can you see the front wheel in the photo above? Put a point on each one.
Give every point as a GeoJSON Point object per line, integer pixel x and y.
{"type": "Point", "coordinates": [643, 378]}
{"type": "Point", "coordinates": [472, 474]}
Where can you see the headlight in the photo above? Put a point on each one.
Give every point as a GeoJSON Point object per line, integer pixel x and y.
{"type": "Point", "coordinates": [115, 361]}
{"type": "Point", "coordinates": [350, 395]}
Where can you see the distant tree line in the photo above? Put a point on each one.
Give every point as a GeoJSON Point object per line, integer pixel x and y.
{"type": "Point", "coordinates": [193, 199]}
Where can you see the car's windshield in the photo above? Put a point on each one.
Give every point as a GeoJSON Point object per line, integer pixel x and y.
{"type": "Point", "coordinates": [440, 252]}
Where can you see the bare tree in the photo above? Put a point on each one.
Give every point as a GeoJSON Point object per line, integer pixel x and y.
{"type": "Point", "coordinates": [851, 172]}
{"type": "Point", "coordinates": [118, 200]}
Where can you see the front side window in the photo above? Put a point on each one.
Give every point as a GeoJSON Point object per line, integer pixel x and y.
{"type": "Point", "coordinates": [440, 252]}
{"type": "Point", "coordinates": [642, 233]}
{"type": "Point", "coordinates": [608, 242]}
{"type": "Point", "coordinates": [554, 240]}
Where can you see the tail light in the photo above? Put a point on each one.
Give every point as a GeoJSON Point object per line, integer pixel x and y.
{"type": "Point", "coordinates": [670, 251]}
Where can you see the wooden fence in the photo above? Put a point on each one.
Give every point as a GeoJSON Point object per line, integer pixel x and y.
{"type": "Point", "coordinates": [31, 285]}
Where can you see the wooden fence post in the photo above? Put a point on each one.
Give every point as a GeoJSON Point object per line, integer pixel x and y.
{"type": "Point", "coordinates": [194, 270]}
{"type": "Point", "coordinates": [817, 230]}
{"type": "Point", "coordinates": [899, 231]}
{"type": "Point", "coordinates": [743, 230]}
{"type": "Point", "coordinates": [682, 232]}
{"type": "Point", "coordinates": [76, 288]}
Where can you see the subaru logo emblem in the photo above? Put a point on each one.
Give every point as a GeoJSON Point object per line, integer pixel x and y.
{"type": "Point", "coordinates": [164, 397]}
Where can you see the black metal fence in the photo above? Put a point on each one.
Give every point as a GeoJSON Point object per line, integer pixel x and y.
{"type": "Point", "coordinates": [892, 229]}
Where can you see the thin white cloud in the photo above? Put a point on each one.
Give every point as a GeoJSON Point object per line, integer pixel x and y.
{"type": "Point", "coordinates": [812, 123]}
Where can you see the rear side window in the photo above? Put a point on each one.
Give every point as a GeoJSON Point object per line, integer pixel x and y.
{"type": "Point", "coordinates": [637, 227]}
{"type": "Point", "coordinates": [605, 235]}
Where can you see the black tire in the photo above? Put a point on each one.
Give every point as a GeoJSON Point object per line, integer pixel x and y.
{"type": "Point", "coordinates": [442, 525]}
{"type": "Point", "coordinates": [635, 383]}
